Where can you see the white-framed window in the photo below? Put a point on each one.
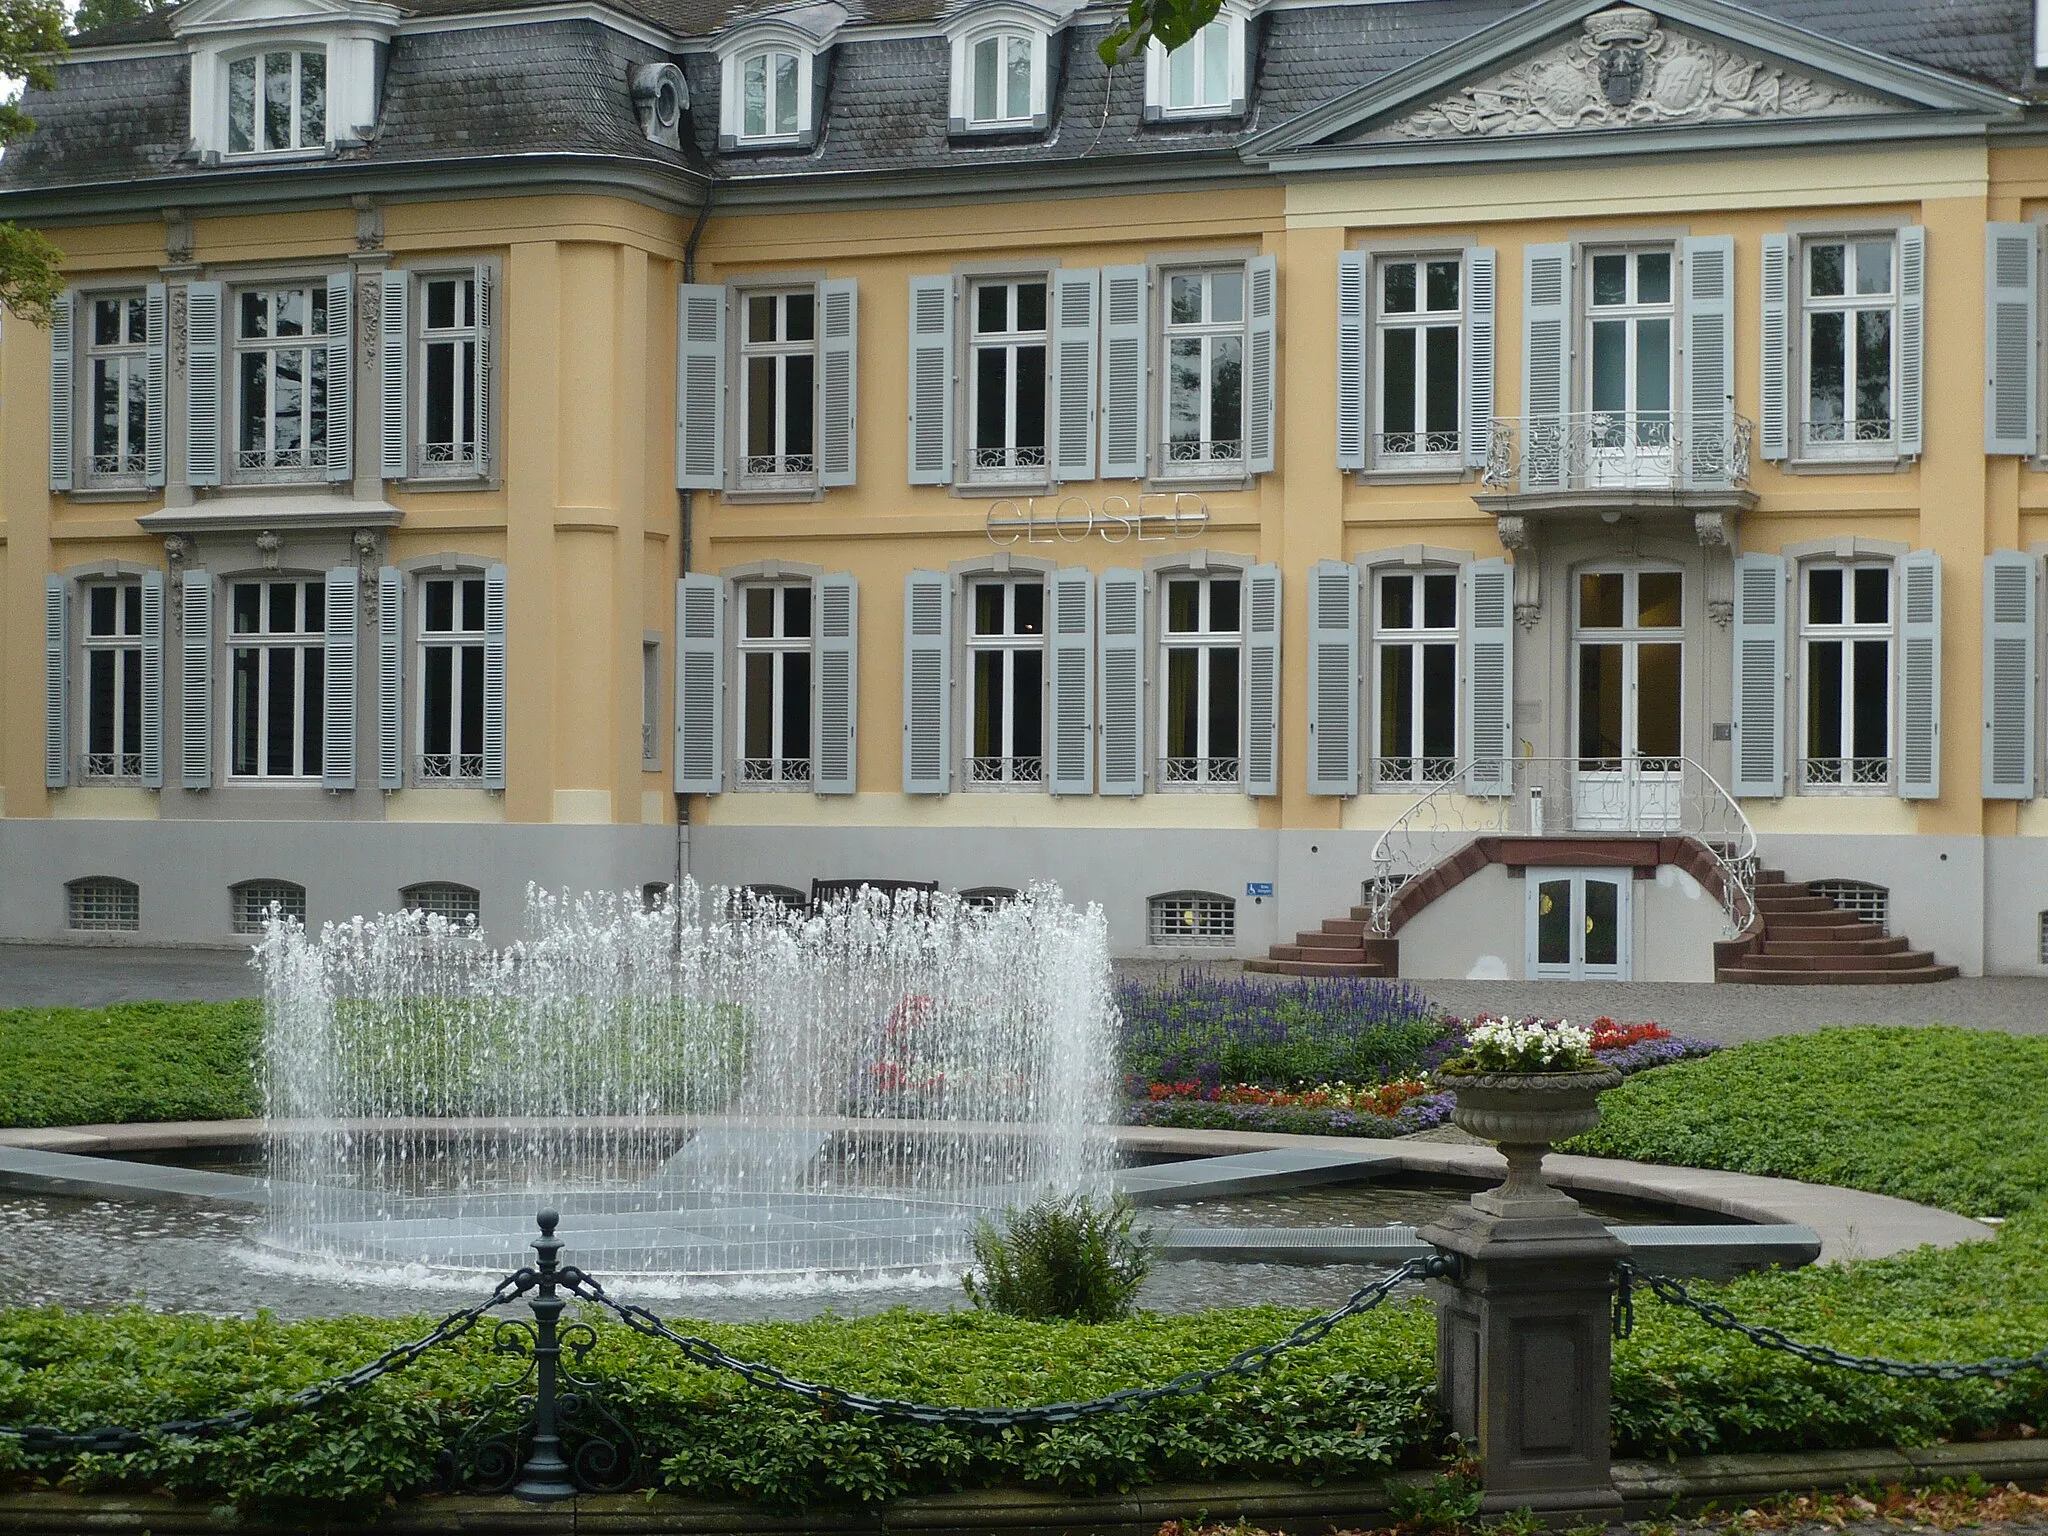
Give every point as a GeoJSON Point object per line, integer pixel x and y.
{"type": "Point", "coordinates": [250, 904]}
{"type": "Point", "coordinates": [280, 382]}
{"type": "Point", "coordinates": [277, 100]}
{"type": "Point", "coordinates": [442, 898]}
{"type": "Point", "coordinates": [277, 657]}
{"type": "Point", "coordinates": [999, 78]}
{"type": "Point", "coordinates": [770, 103]}
{"type": "Point", "coordinates": [1201, 661]}
{"type": "Point", "coordinates": [1418, 367]}
{"type": "Point", "coordinates": [1203, 77]}
{"type": "Point", "coordinates": [112, 643]}
{"type": "Point", "coordinates": [117, 387]}
{"type": "Point", "coordinates": [775, 683]}
{"type": "Point", "coordinates": [102, 904]}
{"type": "Point", "coordinates": [1630, 316]}
{"type": "Point", "coordinates": [1007, 378]}
{"type": "Point", "coordinates": [1204, 374]}
{"type": "Point", "coordinates": [1845, 646]}
{"type": "Point", "coordinates": [453, 374]}
{"type": "Point", "coordinates": [1006, 661]}
{"type": "Point", "coordinates": [1415, 668]}
{"type": "Point", "coordinates": [1190, 917]}
{"type": "Point", "coordinates": [451, 680]}
{"type": "Point", "coordinates": [1849, 333]}
{"type": "Point", "coordinates": [779, 393]}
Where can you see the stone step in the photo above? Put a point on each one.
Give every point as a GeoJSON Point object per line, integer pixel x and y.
{"type": "Point", "coordinates": [1778, 889]}
{"type": "Point", "coordinates": [1774, 906]}
{"type": "Point", "coordinates": [1356, 927]}
{"type": "Point", "coordinates": [1832, 941]}
{"type": "Point", "coordinates": [1324, 939]}
{"type": "Point", "coordinates": [1745, 974]}
{"type": "Point", "coordinates": [1274, 967]}
{"type": "Point", "coordinates": [1832, 917]}
{"type": "Point", "coordinates": [1848, 960]}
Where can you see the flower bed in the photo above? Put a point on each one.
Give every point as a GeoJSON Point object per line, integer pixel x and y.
{"type": "Point", "coordinates": [1394, 1104]}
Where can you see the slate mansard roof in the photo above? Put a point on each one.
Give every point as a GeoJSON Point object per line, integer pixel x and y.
{"type": "Point", "coordinates": [502, 87]}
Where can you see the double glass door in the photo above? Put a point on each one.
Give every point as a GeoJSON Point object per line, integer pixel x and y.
{"type": "Point", "coordinates": [1629, 666]}
{"type": "Point", "coordinates": [1578, 925]}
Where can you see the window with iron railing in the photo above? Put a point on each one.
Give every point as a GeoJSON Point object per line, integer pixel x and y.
{"type": "Point", "coordinates": [1007, 380]}
{"type": "Point", "coordinates": [1205, 347]}
{"type": "Point", "coordinates": [775, 684]}
{"type": "Point", "coordinates": [113, 680]}
{"type": "Point", "coordinates": [443, 898]}
{"type": "Point", "coordinates": [102, 904]}
{"type": "Point", "coordinates": [253, 902]}
{"type": "Point", "coordinates": [1202, 659]}
{"type": "Point", "coordinates": [1006, 647]}
{"type": "Point", "coordinates": [1415, 639]}
{"type": "Point", "coordinates": [1850, 298]}
{"type": "Point", "coordinates": [779, 370]}
{"type": "Point", "coordinates": [451, 680]}
{"type": "Point", "coordinates": [280, 382]}
{"type": "Point", "coordinates": [1846, 656]}
{"type": "Point", "coordinates": [1418, 323]}
{"type": "Point", "coordinates": [117, 382]}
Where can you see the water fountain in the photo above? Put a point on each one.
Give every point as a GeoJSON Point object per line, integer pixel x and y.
{"type": "Point", "coordinates": [716, 1089]}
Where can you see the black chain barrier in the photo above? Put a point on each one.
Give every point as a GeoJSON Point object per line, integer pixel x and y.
{"type": "Point", "coordinates": [1714, 1315]}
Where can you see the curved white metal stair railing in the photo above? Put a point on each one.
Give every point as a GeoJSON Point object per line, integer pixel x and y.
{"type": "Point", "coordinates": [1562, 797]}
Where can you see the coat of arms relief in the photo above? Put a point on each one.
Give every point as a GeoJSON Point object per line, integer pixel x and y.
{"type": "Point", "coordinates": [1626, 70]}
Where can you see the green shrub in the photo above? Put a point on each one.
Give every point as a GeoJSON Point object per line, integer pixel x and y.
{"type": "Point", "coordinates": [1075, 1258]}
{"type": "Point", "coordinates": [133, 1061]}
{"type": "Point", "coordinates": [1948, 1117]}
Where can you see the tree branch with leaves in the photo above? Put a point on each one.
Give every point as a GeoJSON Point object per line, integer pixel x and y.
{"type": "Point", "coordinates": [31, 39]}
{"type": "Point", "coordinates": [1173, 22]}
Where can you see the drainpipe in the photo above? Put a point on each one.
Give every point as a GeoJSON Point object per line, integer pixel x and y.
{"type": "Point", "coordinates": [687, 511]}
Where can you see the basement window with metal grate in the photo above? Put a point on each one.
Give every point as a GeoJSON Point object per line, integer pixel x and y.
{"type": "Point", "coordinates": [101, 904]}
{"type": "Point", "coordinates": [1192, 917]}
{"type": "Point", "coordinates": [1872, 903]}
{"type": "Point", "coordinates": [2044, 938]}
{"type": "Point", "coordinates": [252, 900]}
{"type": "Point", "coordinates": [443, 898]}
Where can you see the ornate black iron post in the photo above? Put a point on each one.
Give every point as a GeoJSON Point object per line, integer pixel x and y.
{"type": "Point", "coordinates": [546, 1478]}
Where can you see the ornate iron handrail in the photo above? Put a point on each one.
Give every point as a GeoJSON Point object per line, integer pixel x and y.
{"type": "Point", "coordinates": [1616, 450]}
{"type": "Point", "coordinates": [1563, 797]}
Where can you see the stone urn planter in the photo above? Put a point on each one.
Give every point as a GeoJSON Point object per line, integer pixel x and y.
{"type": "Point", "coordinates": [1525, 1114]}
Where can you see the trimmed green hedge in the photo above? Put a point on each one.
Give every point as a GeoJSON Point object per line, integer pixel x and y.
{"type": "Point", "coordinates": [1951, 1117]}
{"type": "Point", "coordinates": [133, 1061]}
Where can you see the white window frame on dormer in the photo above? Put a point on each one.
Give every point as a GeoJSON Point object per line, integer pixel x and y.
{"type": "Point", "coordinates": [995, 30]}
{"type": "Point", "coordinates": [732, 93]}
{"type": "Point", "coordinates": [350, 35]}
{"type": "Point", "coordinates": [1225, 35]}
{"type": "Point", "coordinates": [257, 58]}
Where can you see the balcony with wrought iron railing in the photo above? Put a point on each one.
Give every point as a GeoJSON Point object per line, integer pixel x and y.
{"type": "Point", "coordinates": [1618, 451]}
{"type": "Point", "coordinates": [1566, 797]}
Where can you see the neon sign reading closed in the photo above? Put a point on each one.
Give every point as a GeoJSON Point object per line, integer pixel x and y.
{"type": "Point", "coordinates": [1120, 520]}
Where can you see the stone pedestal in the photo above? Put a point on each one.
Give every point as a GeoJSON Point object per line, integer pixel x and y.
{"type": "Point", "coordinates": [1524, 1348]}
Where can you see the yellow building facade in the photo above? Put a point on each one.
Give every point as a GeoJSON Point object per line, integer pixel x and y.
{"type": "Point", "coordinates": [834, 447]}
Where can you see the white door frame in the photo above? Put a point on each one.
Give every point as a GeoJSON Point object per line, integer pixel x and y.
{"type": "Point", "coordinates": [1631, 796]}
{"type": "Point", "coordinates": [1575, 882]}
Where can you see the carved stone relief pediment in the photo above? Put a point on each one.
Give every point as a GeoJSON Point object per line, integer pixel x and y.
{"type": "Point", "coordinates": [1627, 70]}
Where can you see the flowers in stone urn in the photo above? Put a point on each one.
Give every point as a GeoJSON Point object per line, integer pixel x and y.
{"type": "Point", "coordinates": [1531, 1046]}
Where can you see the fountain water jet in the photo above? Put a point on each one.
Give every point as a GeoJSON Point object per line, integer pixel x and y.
{"type": "Point", "coordinates": [719, 1089]}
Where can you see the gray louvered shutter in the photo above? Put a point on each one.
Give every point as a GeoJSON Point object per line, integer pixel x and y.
{"type": "Point", "coordinates": [1120, 629]}
{"type": "Point", "coordinates": [1072, 395]}
{"type": "Point", "coordinates": [1759, 690]}
{"type": "Point", "coordinates": [341, 377]}
{"type": "Point", "coordinates": [700, 387]}
{"type": "Point", "coordinates": [390, 679]}
{"type": "Point", "coordinates": [1489, 676]}
{"type": "Point", "coordinates": [1546, 366]}
{"type": "Point", "coordinates": [1125, 292]}
{"type": "Point", "coordinates": [1351, 267]}
{"type": "Point", "coordinates": [56, 682]}
{"type": "Point", "coordinates": [1333, 678]}
{"type": "Point", "coordinates": [1262, 682]}
{"type": "Point", "coordinates": [931, 381]}
{"type": "Point", "coordinates": [204, 318]}
{"type": "Point", "coordinates": [839, 380]}
{"type": "Point", "coordinates": [2012, 264]}
{"type": "Point", "coordinates": [156, 324]}
{"type": "Point", "coordinates": [195, 680]}
{"type": "Point", "coordinates": [1912, 330]}
{"type": "Point", "coordinates": [1709, 378]}
{"type": "Point", "coordinates": [63, 390]}
{"type": "Point", "coordinates": [700, 685]}
{"type": "Point", "coordinates": [494, 676]}
{"type": "Point", "coordinates": [152, 679]}
{"type": "Point", "coordinates": [1262, 313]}
{"type": "Point", "coordinates": [927, 682]}
{"type": "Point", "coordinates": [836, 694]}
{"type": "Point", "coordinates": [2009, 645]}
{"type": "Point", "coordinates": [1920, 675]}
{"type": "Point", "coordinates": [1481, 286]}
{"type": "Point", "coordinates": [338, 701]}
{"type": "Point", "coordinates": [1070, 682]}
{"type": "Point", "coordinates": [486, 450]}
{"type": "Point", "coordinates": [393, 334]}
{"type": "Point", "coordinates": [1774, 396]}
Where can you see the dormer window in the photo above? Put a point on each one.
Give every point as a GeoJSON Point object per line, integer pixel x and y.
{"type": "Point", "coordinates": [768, 95]}
{"type": "Point", "coordinates": [999, 79]}
{"type": "Point", "coordinates": [277, 101]}
{"type": "Point", "coordinates": [1204, 77]}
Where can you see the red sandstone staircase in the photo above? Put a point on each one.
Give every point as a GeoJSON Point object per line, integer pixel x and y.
{"type": "Point", "coordinates": [1341, 947]}
{"type": "Point", "coordinates": [1806, 940]}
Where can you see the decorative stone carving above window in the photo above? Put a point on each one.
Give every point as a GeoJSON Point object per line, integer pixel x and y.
{"type": "Point", "coordinates": [283, 78]}
{"type": "Point", "coordinates": [662, 98]}
{"type": "Point", "coordinates": [1628, 70]}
